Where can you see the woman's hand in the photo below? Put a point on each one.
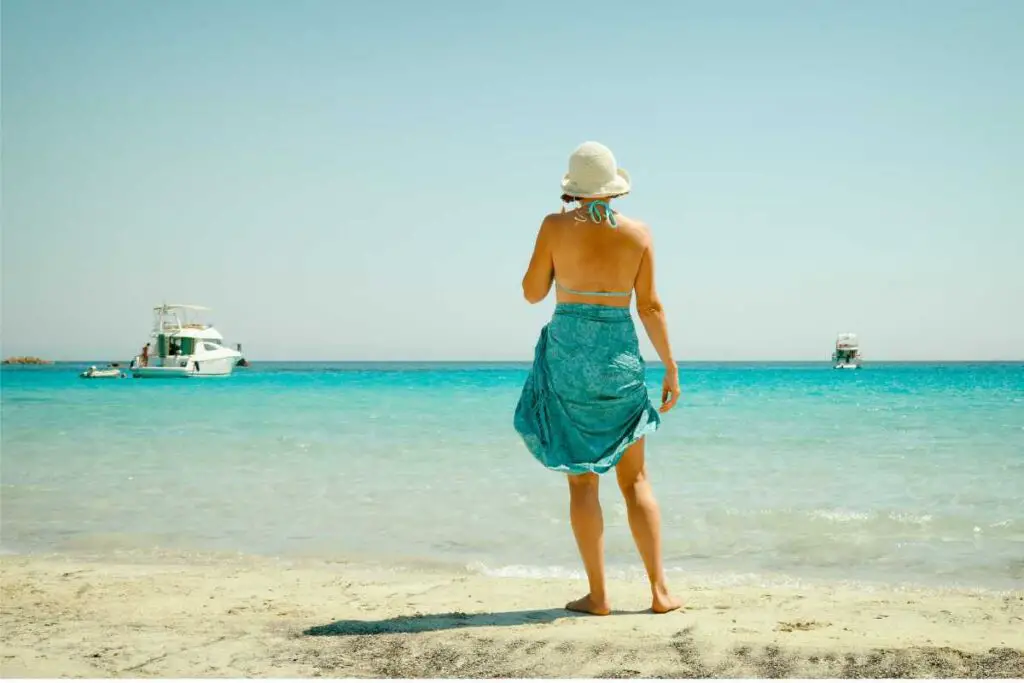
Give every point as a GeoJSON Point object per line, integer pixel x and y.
{"type": "Point", "coordinates": [669, 390]}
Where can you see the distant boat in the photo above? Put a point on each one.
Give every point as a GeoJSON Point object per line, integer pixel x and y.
{"type": "Point", "coordinates": [112, 371]}
{"type": "Point", "coordinates": [184, 347]}
{"type": "Point", "coordinates": [847, 353]}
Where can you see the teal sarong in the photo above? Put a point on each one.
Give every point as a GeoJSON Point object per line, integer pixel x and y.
{"type": "Point", "coordinates": [585, 400]}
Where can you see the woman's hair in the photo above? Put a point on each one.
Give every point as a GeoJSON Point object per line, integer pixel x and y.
{"type": "Point", "coordinates": [569, 199]}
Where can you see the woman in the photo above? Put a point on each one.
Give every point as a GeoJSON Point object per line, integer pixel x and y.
{"type": "Point", "coordinates": [584, 408]}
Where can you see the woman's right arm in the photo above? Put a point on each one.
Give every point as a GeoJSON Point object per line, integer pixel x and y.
{"type": "Point", "coordinates": [652, 315]}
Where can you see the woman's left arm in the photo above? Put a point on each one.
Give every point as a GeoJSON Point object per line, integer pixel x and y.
{"type": "Point", "coordinates": [541, 272]}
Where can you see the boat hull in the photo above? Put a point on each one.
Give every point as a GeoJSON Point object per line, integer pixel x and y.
{"type": "Point", "coordinates": [197, 367]}
{"type": "Point", "coordinates": [158, 372]}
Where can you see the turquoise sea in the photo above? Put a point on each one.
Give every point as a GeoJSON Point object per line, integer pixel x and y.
{"type": "Point", "coordinates": [897, 473]}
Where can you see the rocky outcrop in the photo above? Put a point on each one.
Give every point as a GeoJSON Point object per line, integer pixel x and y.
{"type": "Point", "coordinates": [27, 360]}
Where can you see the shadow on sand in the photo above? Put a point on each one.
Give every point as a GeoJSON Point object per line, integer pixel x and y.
{"type": "Point", "coordinates": [420, 623]}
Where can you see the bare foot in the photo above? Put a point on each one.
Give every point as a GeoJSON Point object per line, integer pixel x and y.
{"type": "Point", "coordinates": [664, 601]}
{"type": "Point", "coordinates": [588, 605]}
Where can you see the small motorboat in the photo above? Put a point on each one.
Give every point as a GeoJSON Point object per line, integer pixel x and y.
{"type": "Point", "coordinates": [109, 372]}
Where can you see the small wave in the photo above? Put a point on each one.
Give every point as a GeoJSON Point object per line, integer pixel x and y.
{"type": "Point", "coordinates": [839, 515]}
{"type": "Point", "coordinates": [684, 576]}
{"type": "Point", "coordinates": [908, 518]}
{"type": "Point", "coordinates": [519, 571]}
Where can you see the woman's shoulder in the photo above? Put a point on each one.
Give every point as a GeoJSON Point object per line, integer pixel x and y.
{"type": "Point", "coordinates": [551, 223]}
{"type": "Point", "coordinates": [634, 227]}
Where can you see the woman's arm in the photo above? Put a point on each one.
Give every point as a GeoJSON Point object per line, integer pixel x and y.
{"type": "Point", "coordinates": [541, 271]}
{"type": "Point", "coordinates": [649, 308]}
{"type": "Point", "coordinates": [652, 315]}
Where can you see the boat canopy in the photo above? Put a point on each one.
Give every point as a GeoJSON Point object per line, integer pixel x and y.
{"type": "Point", "coordinates": [847, 340]}
{"type": "Point", "coordinates": [177, 320]}
{"type": "Point", "coordinates": [181, 307]}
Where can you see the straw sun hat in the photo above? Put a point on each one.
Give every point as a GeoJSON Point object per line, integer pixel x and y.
{"type": "Point", "coordinates": [593, 173]}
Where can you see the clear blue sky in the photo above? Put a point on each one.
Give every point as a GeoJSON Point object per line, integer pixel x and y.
{"type": "Point", "coordinates": [344, 180]}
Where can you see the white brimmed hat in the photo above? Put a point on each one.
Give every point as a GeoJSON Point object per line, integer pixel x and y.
{"type": "Point", "coordinates": [593, 173]}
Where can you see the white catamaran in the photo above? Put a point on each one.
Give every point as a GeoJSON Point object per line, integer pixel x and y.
{"type": "Point", "coordinates": [847, 353]}
{"type": "Point", "coordinates": [184, 347]}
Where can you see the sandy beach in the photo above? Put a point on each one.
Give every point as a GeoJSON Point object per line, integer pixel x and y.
{"type": "Point", "coordinates": [246, 617]}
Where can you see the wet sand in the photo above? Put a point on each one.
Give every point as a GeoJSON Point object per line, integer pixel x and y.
{"type": "Point", "coordinates": [246, 617]}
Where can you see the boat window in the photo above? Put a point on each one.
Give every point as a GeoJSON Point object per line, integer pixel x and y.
{"type": "Point", "coordinates": [210, 347]}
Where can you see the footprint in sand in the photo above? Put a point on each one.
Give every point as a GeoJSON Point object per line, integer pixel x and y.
{"type": "Point", "coordinates": [790, 626]}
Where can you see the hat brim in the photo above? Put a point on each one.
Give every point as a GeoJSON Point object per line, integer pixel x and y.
{"type": "Point", "coordinates": [618, 186]}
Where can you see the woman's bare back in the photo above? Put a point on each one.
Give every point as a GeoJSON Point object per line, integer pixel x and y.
{"type": "Point", "coordinates": [595, 257]}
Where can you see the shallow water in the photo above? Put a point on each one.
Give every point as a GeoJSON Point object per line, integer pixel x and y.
{"type": "Point", "coordinates": [894, 473]}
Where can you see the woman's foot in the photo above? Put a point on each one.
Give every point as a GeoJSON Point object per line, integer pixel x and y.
{"type": "Point", "coordinates": [663, 601]}
{"type": "Point", "coordinates": [589, 605]}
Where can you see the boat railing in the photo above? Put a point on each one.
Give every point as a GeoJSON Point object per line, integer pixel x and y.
{"type": "Point", "coordinates": [172, 327]}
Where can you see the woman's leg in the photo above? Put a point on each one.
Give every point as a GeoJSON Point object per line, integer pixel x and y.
{"type": "Point", "coordinates": [645, 523]}
{"type": "Point", "coordinates": [588, 527]}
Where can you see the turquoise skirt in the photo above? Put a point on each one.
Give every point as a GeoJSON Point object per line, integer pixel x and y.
{"type": "Point", "coordinates": [585, 400]}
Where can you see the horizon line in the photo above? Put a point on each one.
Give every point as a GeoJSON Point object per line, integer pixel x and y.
{"type": "Point", "coordinates": [528, 361]}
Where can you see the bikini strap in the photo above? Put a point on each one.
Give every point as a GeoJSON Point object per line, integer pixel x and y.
{"type": "Point", "coordinates": [594, 211]}
{"type": "Point", "coordinates": [579, 293]}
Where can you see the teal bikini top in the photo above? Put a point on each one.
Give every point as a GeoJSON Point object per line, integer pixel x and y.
{"type": "Point", "coordinates": [595, 215]}
{"type": "Point", "coordinates": [579, 293]}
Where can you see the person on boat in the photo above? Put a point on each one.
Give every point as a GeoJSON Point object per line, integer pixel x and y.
{"type": "Point", "coordinates": [145, 355]}
{"type": "Point", "coordinates": [584, 408]}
